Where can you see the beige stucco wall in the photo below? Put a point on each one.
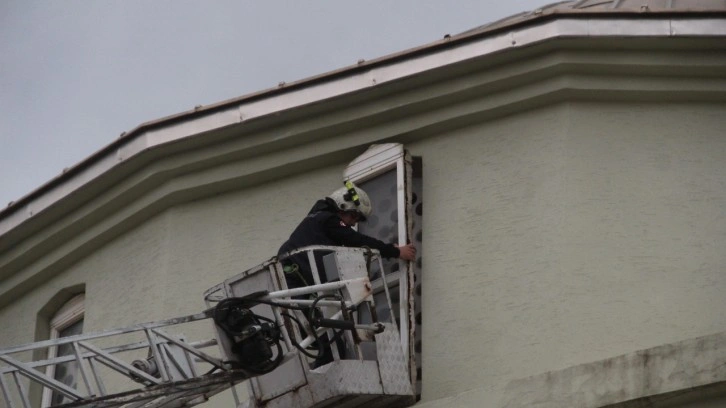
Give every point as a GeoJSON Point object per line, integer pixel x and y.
{"type": "Point", "coordinates": [567, 235]}
{"type": "Point", "coordinates": [553, 237]}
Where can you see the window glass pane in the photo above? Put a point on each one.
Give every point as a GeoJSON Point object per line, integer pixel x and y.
{"type": "Point", "coordinates": [383, 222]}
{"type": "Point", "coordinates": [66, 372]}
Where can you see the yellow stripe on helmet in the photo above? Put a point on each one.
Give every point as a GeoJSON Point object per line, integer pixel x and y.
{"type": "Point", "coordinates": [352, 194]}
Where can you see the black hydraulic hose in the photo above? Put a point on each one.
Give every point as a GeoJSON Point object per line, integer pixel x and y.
{"type": "Point", "coordinates": [315, 336]}
{"type": "Point", "coordinates": [315, 321]}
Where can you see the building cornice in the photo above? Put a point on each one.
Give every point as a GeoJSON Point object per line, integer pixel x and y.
{"type": "Point", "coordinates": [533, 29]}
{"type": "Point", "coordinates": [236, 145]}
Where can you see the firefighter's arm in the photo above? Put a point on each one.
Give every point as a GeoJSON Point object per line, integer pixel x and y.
{"type": "Point", "coordinates": [343, 235]}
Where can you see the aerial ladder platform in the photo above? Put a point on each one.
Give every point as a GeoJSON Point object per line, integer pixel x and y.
{"type": "Point", "coordinates": [262, 333]}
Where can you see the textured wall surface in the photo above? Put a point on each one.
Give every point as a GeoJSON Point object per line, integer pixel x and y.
{"type": "Point", "coordinates": [568, 235]}
{"type": "Point", "coordinates": [689, 373]}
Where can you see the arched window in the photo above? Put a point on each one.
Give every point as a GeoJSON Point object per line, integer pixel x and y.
{"type": "Point", "coordinates": [67, 321]}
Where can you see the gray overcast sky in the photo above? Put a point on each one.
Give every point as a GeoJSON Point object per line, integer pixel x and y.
{"type": "Point", "coordinates": [74, 74]}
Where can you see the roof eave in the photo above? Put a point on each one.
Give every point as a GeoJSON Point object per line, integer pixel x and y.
{"type": "Point", "coordinates": [518, 29]}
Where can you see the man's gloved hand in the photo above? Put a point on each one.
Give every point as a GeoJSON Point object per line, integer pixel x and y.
{"type": "Point", "coordinates": [407, 252]}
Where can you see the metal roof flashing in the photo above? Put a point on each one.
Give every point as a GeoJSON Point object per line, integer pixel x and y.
{"type": "Point", "coordinates": [588, 18]}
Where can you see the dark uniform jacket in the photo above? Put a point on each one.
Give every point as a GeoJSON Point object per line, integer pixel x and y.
{"type": "Point", "coordinates": [323, 226]}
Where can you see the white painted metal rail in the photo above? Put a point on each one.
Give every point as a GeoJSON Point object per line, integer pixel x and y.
{"type": "Point", "coordinates": [368, 369]}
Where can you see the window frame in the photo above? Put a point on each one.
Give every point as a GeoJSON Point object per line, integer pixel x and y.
{"type": "Point", "coordinates": [377, 160]}
{"type": "Point", "coordinates": [70, 313]}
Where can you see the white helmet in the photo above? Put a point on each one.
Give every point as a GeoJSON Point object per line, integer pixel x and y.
{"type": "Point", "coordinates": [352, 198]}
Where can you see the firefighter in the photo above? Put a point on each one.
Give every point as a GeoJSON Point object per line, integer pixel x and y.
{"type": "Point", "coordinates": [330, 222]}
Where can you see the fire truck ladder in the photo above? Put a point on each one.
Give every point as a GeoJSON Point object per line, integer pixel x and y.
{"type": "Point", "coordinates": [161, 370]}
{"type": "Point", "coordinates": [168, 376]}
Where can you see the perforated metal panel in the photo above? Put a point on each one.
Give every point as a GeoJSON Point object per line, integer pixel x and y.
{"type": "Point", "coordinates": [417, 240]}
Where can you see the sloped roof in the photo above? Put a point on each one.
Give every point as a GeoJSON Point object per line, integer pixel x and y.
{"type": "Point", "coordinates": [614, 7]}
